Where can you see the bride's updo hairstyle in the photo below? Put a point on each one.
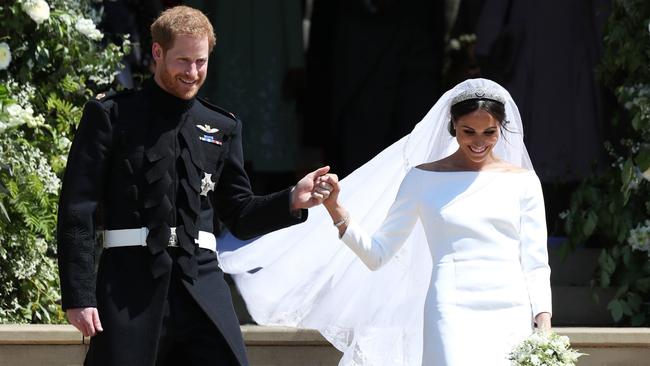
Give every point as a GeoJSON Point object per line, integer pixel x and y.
{"type": "Point", "coordinates": [475, 99]}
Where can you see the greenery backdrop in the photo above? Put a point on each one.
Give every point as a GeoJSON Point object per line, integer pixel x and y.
{"type": "Point", "coordinates": [614, 208]}
{"type": "Point", "coordinates": [52, 60]}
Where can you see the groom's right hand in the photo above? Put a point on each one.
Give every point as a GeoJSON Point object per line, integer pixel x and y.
{"type": "Point", "coordinates": [86, 320]}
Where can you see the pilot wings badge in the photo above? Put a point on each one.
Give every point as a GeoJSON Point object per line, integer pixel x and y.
{"type": "Point", "coordinates": [207, 129]}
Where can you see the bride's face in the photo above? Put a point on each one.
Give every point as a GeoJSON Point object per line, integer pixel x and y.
{"type": "Point", "coordinates": [477, 133]}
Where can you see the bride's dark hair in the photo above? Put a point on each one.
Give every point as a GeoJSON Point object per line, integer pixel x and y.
{"type": "Point", "coordinates": [493, 107]}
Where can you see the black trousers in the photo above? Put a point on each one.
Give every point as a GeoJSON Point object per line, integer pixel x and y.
{"type": "Point", "coordinates": [188, 336]}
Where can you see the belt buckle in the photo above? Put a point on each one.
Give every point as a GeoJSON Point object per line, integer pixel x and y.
{"type": "Point", "coordinates": [173, 239]}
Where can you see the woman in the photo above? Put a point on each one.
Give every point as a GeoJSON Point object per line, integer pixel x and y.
{"type": "Point", "coordinates": [484, 222]}
{"type": "Point", "coordinates": [475, 204]}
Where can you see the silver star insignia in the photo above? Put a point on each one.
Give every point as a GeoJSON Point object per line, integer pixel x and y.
{"type": "Point", "coordinates": [207, 184]}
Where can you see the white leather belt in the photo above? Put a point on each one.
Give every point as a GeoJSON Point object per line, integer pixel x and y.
{"type": "Point", "coordinates": [138, 237]}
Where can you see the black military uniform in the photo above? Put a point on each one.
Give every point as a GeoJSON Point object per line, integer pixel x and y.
{"type": "Point", "coordinates": [147, 159]}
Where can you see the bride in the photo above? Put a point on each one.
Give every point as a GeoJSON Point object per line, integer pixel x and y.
{"type": "Point", "coordinates": [450, 221]}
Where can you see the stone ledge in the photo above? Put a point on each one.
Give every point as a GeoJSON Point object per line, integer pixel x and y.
{"type": "Point", "coordinates": [62, 345]}
{"type": "Point", "coordinates": [17, 334]}
{"type": "Point", "coordinates": [607, 337]}
{"type": "Point", "coordinates": [255, 335]}
{"type": "Point", "coordinates": [36, 334]}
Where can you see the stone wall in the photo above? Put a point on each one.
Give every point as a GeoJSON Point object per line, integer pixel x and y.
{"type": "Point", "coordinates": [62, 345]}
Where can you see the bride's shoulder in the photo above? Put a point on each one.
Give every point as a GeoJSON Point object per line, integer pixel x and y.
{"type": "Point", "coordinates": [511, 168]}
{"type": "Point", "coordinates": [442, 165]}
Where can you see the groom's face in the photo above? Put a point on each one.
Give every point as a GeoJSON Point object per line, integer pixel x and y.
{"type": "Point", "coordinates": [477, 133]}
{"type": "Point", "coordinates": [181, 70]}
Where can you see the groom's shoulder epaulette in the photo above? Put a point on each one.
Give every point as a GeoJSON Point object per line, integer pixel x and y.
{"type": "Point", "coordinates": [124, 102]}
{"type": "Point", "coordinates": [113, 94]}
{"type": "Point", "coordinates": [217, 109]}
{"type": "Point", "coordinates": [110, 97]}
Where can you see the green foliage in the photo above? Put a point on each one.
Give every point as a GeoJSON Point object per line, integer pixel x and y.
{"type": "Point", "coordinates": [613, 208]}
{"type": "Point", "coordinates": [57, 62]}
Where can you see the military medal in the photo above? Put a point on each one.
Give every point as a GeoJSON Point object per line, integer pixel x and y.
{"type": "Point", "coordinates": [207, 129]}
{"type": "Point", "coordinates": [208, 134]}
{"type": "Point", "coordinates": [207, 184]}
{"type": "Point", "coordinates": [210, 139]}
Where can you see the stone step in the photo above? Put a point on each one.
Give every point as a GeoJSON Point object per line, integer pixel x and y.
{"type": "Point", "coordinates": [62, 345]}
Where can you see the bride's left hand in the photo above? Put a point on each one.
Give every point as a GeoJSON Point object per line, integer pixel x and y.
{"type": "Point", "coordinates": [543, 321]}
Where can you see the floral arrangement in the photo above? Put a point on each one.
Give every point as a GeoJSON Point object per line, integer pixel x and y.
{"type": "Point", "coordinates": [544, 348]}
{"type": "Point", "coordinates": [612, 209]}
{"type": "Point", "coordinates": [52, 60]}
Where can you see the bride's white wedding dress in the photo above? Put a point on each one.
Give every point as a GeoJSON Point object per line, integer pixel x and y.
{"type": "Point", "coordinates": [487, 238]}
{"type": "Point", "coordinates": [461, 289]}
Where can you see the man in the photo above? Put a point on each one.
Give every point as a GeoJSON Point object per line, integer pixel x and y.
{"type": "Point", "coordinates": [156, 167]}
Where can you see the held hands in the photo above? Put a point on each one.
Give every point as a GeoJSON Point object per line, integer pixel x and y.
{"type": "Point", "coordinates": [307, 193]}
{"type": "Point", "coordinates": [338, 213]}
{"type": "Point", "coordinates": [320, 187]}
{"type": "Point", "coordinates": [86, 320]}
{"type": "Point", "coordinates": [330, 183]}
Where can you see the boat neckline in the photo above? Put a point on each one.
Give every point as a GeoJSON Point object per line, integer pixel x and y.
{"type": "Point", "coordinates": [523, 171]}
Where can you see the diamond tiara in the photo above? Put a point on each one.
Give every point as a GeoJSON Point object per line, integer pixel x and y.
{"type": "Point", "coordinates": [478, 93]}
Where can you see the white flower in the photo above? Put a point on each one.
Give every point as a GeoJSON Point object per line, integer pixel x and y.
{"type": "Point", "coordinates": [544, 348]}
{"type": "Point", "coordinates": [5, 55]}
{"type": "Point", "coordinates": [38, 10]}
{"type": "Point", "coordinates": [646, 174]}
{"type": "Point", "coordinates": [14, 110]}
{"type": "Point", "coordinates": [29, 160]}
{"type": "Point", "coordinates": [19, 115]}
{"type": "Point", "coordinates": [454, 44]}
{"type": "Point", "coordinates": [88, 29]}
{"type": "Point", "coordinates": [467, 38]}
{"type": "Point", "coordinates": [534, 359]}
{"type": "Point", "coordinates": [639, 237]}
{"type": "Point", "coordinates": [64, 143]}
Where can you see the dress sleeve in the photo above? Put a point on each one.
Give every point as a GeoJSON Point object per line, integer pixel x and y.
{"type": "Point", "coordinates": [377, 250]}
{"type": "Point", "coordinates": [534, 253]}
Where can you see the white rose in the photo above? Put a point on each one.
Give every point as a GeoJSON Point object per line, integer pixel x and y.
{"type": "Point", "coordinates": [454, 44]}
{"type": "Point", "coordinates": [38, 10]}
{"type": "Point", "coordinates": [64, 143]}
{"type": "Point", "coordinates": [5, 55]}
{"type": "Point", "coordinates": [88, 29]}
{"type": "Point", "coordinates": [14, 110]}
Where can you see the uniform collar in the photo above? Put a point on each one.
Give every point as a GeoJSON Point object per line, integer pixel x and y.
{"type": "Point", "coordinates": [168, 102]}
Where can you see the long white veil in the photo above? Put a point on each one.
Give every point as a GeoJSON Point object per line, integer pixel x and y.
{"type": "Point", "coordinates": [305, 277]}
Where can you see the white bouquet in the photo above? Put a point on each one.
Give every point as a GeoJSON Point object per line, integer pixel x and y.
{"type": "Point", "coordinates": [544, 348]}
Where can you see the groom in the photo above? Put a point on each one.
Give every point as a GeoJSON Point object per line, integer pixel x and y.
{"type": "Point", "coordinates": [154, 168]}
